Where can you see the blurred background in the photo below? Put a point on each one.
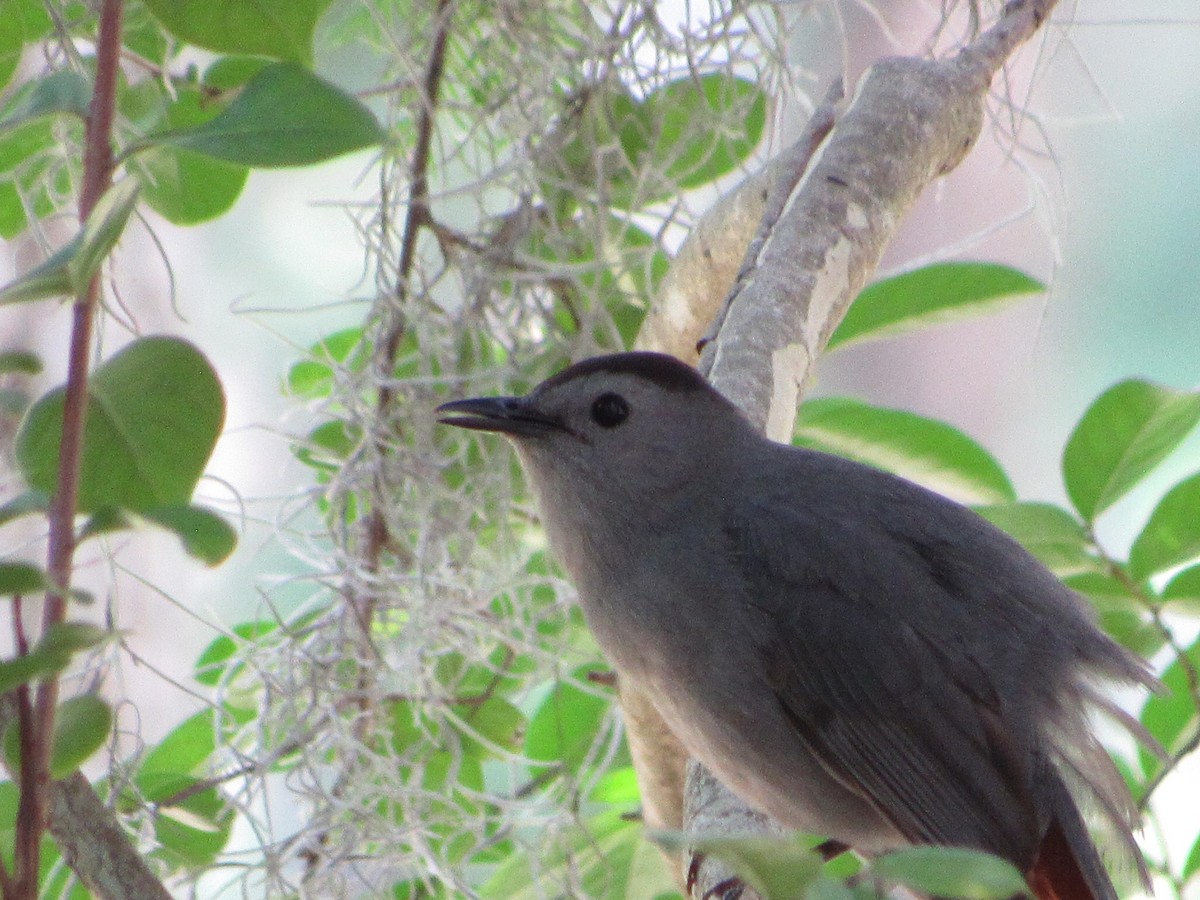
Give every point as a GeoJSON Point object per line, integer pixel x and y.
{"type": "Point", "coordinates": [1089, 180]}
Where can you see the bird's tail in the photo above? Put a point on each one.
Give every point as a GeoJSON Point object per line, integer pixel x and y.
{"type": "Point", "coordinates": [1068, 866]}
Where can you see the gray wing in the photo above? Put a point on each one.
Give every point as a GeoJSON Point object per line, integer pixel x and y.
{"type": "Point", "coordinates": [901, 715]}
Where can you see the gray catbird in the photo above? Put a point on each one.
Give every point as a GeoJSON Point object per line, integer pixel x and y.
{"type": "Point", "coordinates": [848, 652]}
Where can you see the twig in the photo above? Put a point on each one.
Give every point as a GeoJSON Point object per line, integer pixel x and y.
{"type": "Point", "coordinates": [362, 600]}
{"type": "Point", "coordinates": [97, 176]}
{"type": "Point", "coordinates": [417, 216]}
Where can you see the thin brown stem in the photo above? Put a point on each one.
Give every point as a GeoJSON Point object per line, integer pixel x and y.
{"type": "Point", "coordinates": [377, 534]}
{"type": "Point", "coordinates": [363, 600]}
{"type": "Point", "coordinates": [97, 176]}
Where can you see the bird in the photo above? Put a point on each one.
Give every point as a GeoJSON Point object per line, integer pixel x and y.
{"type": "Point", "coordinates": [851, 653]}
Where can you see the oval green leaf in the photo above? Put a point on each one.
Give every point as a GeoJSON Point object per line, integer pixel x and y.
{"type": "Point", "coordinates": [214, 660]}
{"type": "Point", "coordinates": [489, 726]}
{"type": "Point", "coordinates": [1120, 613]}
{"type": "Point", "coordinates": [694, 145]}
{"type": "Point", "coordinates": [923, 450]}
{"type": "Point", "coordinates": [941, 292]}
{"type": "Point", "coordinates": [678, 136]}
{"type": "Point", "coordinates": [952, 872]}
{"type": "Point", "coordinates": [1192, 865]}
{"type": "Point", "coordinates": [184, 751]}
{"type": "Point", "coordinates": [282, 29]}
{"type": "Point", "coordinates": [603, 856]}
{"type": "Point", "coordinates": [1171, 715]}
{"type": "Point", "coordinates": [21, 578]}
{"type": "Point", "coordinates": [25, 504]}
{"type": "Point", "coordinates": [12, 39]}
{"type": "Point", "coordinates": [64, 92]}
{"type": "Point", "coordinates": [1182, 593]}
{"type": "Point", "coordinates": [154, 413]}
{"type": "Point", "coordinates": [284, 116]}
{"type": "Point", "coordinates": [81, 726]}
{"type": "Point", "coordinates": [20, 361]}
{"type": "Point", "coordinates": [188, 188]}
{"type": "Point", "coordinates": [313, 377]}
{"type": "Point", "coordinates": [69, 269]}
{"type": "Point", "coordinates": [101, 231]}
{"type": "Point", "coordinates": [192, 831]}
{"type": "Point", "coordinates": [1172, 535]}
{"type": "Point", "coordinates": [565, 725]}
{"type": "Point", "coordinates": [1128, 431]}
{"type": "Point", "coordinates": [23, 669]}
{"type": "Point", "coordinates": [205, 535]}
{"type": "Point", "coordinates": [1049, 532]}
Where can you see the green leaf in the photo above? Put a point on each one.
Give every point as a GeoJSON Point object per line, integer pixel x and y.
{"type": "Point", "coordinates": [278, 28]}
{"type": "Point", "coordinates": [937, 293]}
{"type": "Point", "coordinates": [101, 232]}
{"type": "Point", "coordinates": [154, 414]}
{"type": "Point", "coordinates": [188, 188]}
{"type": "Point", "coordinates": [191, 831]}
{"type": "Point", "coordinates": [142, 34]}
{"type": "Point", "coordinates": [952, 872]}
{"type": "Point", "coordinates": [604, 858]}
{"type": "Point", "coordinates": [21, 578]}
{"type": "Point", "coordinates": [1172, 536]}
{"type": "Point", "coordinates": [23, 669]}
{"type": "Point", "coordinates": [1121, 613]}
{"type": "Point", "coordinates": [640, 151]}
{"type": "Point", "coordinates": [329, 445]}
{"type": "Point", "coordinates": [922, 450]}
{"type": "Point", "coordinates": [565, 725]}
{"type": "Point", "coordinates": [23, 143]}
{"type": "Point", "coordinates": [694, 145]}
{"type": "Point", "coordinates": [51, 654]}
{"type": "Point", "coordinates": [211, 665]}
{"type": "Point", "coordinates": [313, 378]}
{"type": "Point", "coordinates": [50, 278]}
{"type": "Point", "coordinates": [71, 637]}
{"type": "Point", "coordinates": [70, 268]}
{"type": "Point", "coordinates": [1192, 865]}
{"type": "Point", "coordinates": [12, 39]}
{"type": "Point", "coordinates": [20, 361]}
{"type": "Point", "coordinates": [30, 156]}
{"type": "Point", "coordinates": [231, 72]}
{"type": "Point", "coordinates": [205, 534]}
{"type": "Point", "coordinates": [1182, 593]}
{"type": "Point", "coordinates": [1049, 532]}
{"type": "Point", "coordinates": [1171, 715]}
{"type": "Point", "coordinates": [81, 726]}
{"type": "Point", "coordinates": [779, 868]}
{"type": "Point", "coordinates": [186, 749]}
{"type": "Point", "coordinates": [617, 787]}
{"type": "Point", "coordinates": [491, 725]}
{"type": "Point", "coordinates": [25, 504]}
{"type": "Point", "coordinates": [64, 92]}
{"type": "Point", "coordinates": [1128, 431]}
{"type": "Point", "coordinates": [284, 116]}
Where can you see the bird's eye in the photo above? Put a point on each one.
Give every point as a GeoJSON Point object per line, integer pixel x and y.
{"type": "Point", "coordinates": [609, 410]}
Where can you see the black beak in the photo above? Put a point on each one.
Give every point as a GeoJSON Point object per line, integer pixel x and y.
{"type": "Point", "coordinates": [507, 415]}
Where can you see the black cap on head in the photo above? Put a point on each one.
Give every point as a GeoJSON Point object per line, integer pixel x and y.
{"type": "Point", "coordinates": [665, 371]}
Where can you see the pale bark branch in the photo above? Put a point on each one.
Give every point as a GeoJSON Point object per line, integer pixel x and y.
{"type": "Point", "coordinates": [95, 846]}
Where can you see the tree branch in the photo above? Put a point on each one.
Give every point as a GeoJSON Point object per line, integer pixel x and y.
{"type": "Point", "coordinates": [96, 847]}
{"type": "Point", "coordinates": [97, 177]}
{"type": "Point", "coordinates": [911, 120]}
